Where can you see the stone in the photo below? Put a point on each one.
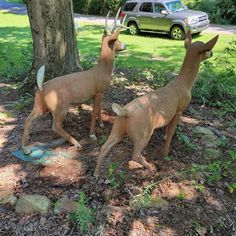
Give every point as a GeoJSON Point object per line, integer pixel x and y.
{"type": "Point", "coordinates": [159, 202]}
{"type": "Point", "coordinates": [210, 140]}
{"type": "Point", "coordinates": [33, 204]}
{"type": "Point", "coordinates": [154, 201]}
{"type": "Point", "coordinates": [212, 153]}
{"type": "Point", "coordinates": [8, 197]}
{"type": "Point", "coordinates": [64, 205]}
{"type": "Point", "coordinates": [203, 130]}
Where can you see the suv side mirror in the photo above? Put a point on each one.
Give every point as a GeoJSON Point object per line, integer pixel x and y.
{"type": "Point", "coordinates": [164, 12]}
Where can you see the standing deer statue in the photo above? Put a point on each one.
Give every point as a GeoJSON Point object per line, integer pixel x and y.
{"type": "Point", "coordinates": [57, 94]}
{"type": "Point", "coordinates": [162, 107]}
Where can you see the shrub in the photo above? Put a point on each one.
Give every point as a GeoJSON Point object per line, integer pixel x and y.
{"type": "Point", "coordinates": [97, 7]}
{"type": "Point", "coordinates": [219, 11]}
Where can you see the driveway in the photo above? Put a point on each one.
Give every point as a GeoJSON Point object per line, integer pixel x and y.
{"type": "Point", "coordinates": [21, 9]}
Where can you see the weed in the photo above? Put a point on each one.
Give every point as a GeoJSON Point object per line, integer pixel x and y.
{"type": "Point", "coordinates": [169, 158]}
{"type": "Point", "coordinates": [83, 216]}
{"type": "Point", "coordinates": [102, 139]}
{"type": "Point", "coordinates": [181, 195]}
{"type": "Point", "coordinates": [142, 199]}
{"type": "Point", "coordinates": [117, 178]}
{"type": "Point", "coordinates": [199, 187]}
{"type": "Point", "coordinates": [186, 141]}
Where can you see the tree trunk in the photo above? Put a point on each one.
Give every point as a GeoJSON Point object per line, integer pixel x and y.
{"type": "Point", "coordinates": [54, 38]}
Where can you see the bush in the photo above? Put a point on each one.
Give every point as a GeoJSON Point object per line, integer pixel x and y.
{"type": "Point", "coordinates": [97, 7]}
{"type": "Point", "coordinates": [219, 11]}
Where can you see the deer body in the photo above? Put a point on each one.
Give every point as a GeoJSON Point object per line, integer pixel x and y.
{"type": "Point", "coordinates": [57, 94]}
{"type": "Point", "coordinates": [162, 107]}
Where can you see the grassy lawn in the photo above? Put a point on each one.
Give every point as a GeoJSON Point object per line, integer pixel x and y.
{"type": "Point", "coordinates": [144, 51]}
{"type": "Point", "coordinates": [13, 1]}
{"type": "Point", "coordinates": [149, 55]}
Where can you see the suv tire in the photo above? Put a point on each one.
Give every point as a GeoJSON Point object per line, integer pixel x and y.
{"type": "Point", "coordinates": [133, 28]}
{"type": "Point", "coordinates": [177, 33]}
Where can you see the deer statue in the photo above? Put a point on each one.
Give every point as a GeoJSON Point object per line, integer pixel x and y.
{"type": "Point", "coordinates": [57, 94]}
{"type": "Point", "coordinates": [162, 107]}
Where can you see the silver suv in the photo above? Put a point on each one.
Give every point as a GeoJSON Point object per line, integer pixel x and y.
{"type": "Point", "coordinates": [163, 16]}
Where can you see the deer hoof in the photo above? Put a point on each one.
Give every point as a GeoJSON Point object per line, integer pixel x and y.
{"type": "Point", "coordinates": [93, 137]}
{"type": "Point", "coordinates": [78, 145]}
{"type": "Point", "coordinates": [26, 150]}
{"type": "Point", "coordinates": [101, 125]}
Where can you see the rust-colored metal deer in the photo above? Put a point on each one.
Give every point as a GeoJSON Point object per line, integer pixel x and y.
{"type": "Point", "coordinates": [163, 107]}
{"type": "Point", "coordinates": [57, 94]}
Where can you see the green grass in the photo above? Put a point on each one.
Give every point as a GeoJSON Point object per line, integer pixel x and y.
{"type": "Point", "coordinates": [13, 1]}
{"type": "Point", "coordinates": [145, 51]}
{"type": "Point", "coordinates": [148, 56]}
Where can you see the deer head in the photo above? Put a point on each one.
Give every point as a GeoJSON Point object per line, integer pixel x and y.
{"type": "Point", "coordinates": [200, 49]}
{"type": "Point", "coordinates": [112, 32]}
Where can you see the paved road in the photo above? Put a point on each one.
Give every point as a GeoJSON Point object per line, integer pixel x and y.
{"type": "Point", "coordinates": [21, 9]}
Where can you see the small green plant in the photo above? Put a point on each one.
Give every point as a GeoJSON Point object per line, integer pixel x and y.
{"type": "Point", "coordinates": [181, 195]}
{"type": "Point", "coordinates": [186, 141]}
{"type": "Point", "coordinates": [102, 139]}
{"type": "Point", "coordinates": [142, 199]}
{"type": "Point", "coordinates": [169, 158]}
{"type": "Point", "coordinates": [117, 178]}
{"type": "Point", "coordinates": [83, 216]}
{"type": "Point", "coordinates": [198, 186]}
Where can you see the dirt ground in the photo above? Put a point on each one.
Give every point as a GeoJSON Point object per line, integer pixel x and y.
{"type": "Point", "coordinates": [189, 211]}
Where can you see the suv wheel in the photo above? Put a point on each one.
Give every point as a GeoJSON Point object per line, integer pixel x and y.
{"type": "Point", "coordinates": [133, 28]}
{"type": "Point", "coordinates": [177, 32]}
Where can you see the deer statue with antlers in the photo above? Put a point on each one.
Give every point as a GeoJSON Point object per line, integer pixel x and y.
{"type": "Point", "coordinates": [162, 107]}
{"type": "Point", "coordinates": [57, 94]}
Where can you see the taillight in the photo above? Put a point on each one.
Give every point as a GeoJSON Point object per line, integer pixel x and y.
{"type": "Point", "coordinates": [122, 14]}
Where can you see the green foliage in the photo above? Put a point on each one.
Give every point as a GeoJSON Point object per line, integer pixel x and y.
{"type": "Point", "coordinates": [117, 178]}
{"type": "Point", "coordinates": [96, 7]}
{"type": "Point", "coordinates": [11, 69]}
{"type": "Point", "coordinates": [142, 199]}
{"type": "Point", "coordinates": [83, 216]}
{"type": "Point", "coordinates": [219, 11]}
{"type": "Point", "coordinates": [217, 85]}
{"type": "Point", "coordinates": [219, 169]}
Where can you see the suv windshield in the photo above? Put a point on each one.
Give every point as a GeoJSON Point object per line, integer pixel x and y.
{"type": "Point", "coordinates": [175, 6]}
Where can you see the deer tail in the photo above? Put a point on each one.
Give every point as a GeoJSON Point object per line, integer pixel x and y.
{"type": "Point", "coordinates": [120, 111]}
{"type": "Point", "coordinates": [40, 77]}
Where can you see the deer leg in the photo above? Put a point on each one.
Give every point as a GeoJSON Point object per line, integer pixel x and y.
{"type": "Point", "coordinates": [101, 124]}
{"type": "Point", "coordinates": [96, 109]}
{"type": "Point", "coordinates": [36, 112]}
{"type": "Point", "coordinates": [115, 137]}
{"type": "Point", "coordinates": [170, 132]}
{"type": "Point", "coordinates": [58, 118]}
{"type": "Point", "coordinates": [139, 145]}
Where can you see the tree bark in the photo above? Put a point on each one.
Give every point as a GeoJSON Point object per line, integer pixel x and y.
{"type": "Point", "coordinates": [54, 38]}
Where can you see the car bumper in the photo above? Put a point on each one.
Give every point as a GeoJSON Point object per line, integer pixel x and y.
{"type": "Point", "coordinates": [198, 28]}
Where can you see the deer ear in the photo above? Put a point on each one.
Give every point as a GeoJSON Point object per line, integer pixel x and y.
{"type": "Point", "coordinates": [188, 40]}
{"type": "Point", "coordinates": [209, 45]}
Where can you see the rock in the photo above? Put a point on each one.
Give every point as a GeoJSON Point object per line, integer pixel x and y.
{"type": "Point", "coordinates": [154, 201]}
{"type": "Point", "coordinates": [210, 140]}
{"type": "Point", "coordinates": [212, 153]}
{"type": "Point", "coordinates": [33, 203]}
{"type": "Point", "coordinates": [158, 202]}
{"type": "Point", "coordinates": [64, 205]}
{"type": "Point", "coordinates": [203, 130]}
{"type": "Point", "coordinates": [7, 197]}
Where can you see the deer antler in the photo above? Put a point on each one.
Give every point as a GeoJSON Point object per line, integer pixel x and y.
{"type": "Point", "coordinates": [115, 25]}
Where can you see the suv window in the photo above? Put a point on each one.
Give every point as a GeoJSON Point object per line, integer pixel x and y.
{"type": "Point", "coordinates": [146, 7]}
{"type": "Point", "coordinates": [130, 6]}
{"type": "Point", "coordinates": [158, 8]}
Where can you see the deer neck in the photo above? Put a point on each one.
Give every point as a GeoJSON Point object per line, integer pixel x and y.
{"type": "Point", "coordinates": [106, 60]}
{"type": "Point", "coordinates": [189, 70]}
